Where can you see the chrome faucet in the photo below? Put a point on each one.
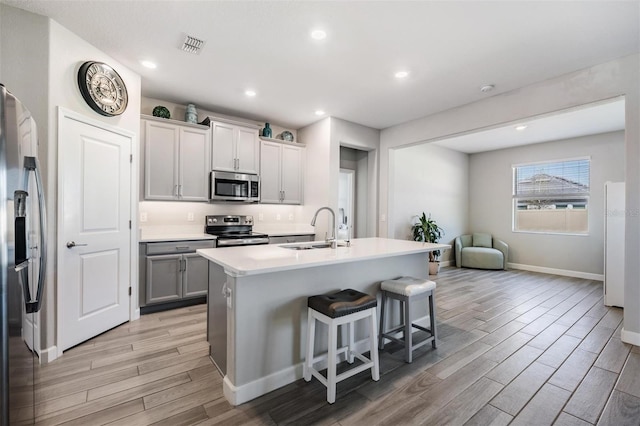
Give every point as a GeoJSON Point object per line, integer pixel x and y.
{"type": "Point", "coordinates": [332, 240]}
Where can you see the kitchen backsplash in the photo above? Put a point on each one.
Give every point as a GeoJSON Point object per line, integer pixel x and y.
{"type": "Point", "coordinates": [167, 213]}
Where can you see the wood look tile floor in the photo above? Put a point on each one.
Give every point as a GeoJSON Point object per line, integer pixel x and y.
{"type": "Point", "coordinates": [515, 347]}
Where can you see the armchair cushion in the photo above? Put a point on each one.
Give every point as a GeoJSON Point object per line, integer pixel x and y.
{"type": "Point", "coordinates": [482, 258]}
{"type": "Point", "coordinates": [470, 255]}
{"type": "Point", "coordinates": [482, 240]}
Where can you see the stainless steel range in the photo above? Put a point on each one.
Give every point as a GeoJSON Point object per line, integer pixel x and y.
{"type": "Point", "coordinates": [234, 231]}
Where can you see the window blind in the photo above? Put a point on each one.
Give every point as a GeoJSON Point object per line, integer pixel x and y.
{"type": "Point", "coordinates": [557, 179]}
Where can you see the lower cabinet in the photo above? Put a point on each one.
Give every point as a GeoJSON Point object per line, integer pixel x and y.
{"type": "Point", "coordinates": [173, 277]}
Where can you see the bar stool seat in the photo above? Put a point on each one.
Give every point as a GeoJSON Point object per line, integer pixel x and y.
{"type": "Point", "coordinates": [407, 290]}
{"type": "Point", "coordinates": [344, 307]}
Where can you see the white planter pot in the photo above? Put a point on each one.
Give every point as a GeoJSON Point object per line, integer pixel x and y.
{"type": "Point", "coordinates": [434, 267]}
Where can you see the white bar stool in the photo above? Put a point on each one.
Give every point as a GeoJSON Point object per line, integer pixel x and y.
{"type": "Point", "coordinates": [344, 307]}
{"type": "Point", "coordinates": [407, 290]}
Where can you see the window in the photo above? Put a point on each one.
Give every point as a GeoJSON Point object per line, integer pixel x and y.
{"type": "Point", "coordinates": [551, 197]}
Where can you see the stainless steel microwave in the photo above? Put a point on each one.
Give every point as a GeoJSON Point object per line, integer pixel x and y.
{"type": "Point", "coordinates": [229, 186]}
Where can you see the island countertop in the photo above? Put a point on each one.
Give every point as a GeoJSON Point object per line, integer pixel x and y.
{"type": "Point", "coordinates": [260, 259]}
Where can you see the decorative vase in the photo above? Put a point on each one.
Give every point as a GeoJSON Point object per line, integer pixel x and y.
{"type": "Point", "coordinates": [266, 132]}
{"type": "Point", "coordinates": [191, 116]}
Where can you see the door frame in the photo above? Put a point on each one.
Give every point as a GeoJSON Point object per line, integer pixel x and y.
{"type": "Point", "coordinates": [134, 310]}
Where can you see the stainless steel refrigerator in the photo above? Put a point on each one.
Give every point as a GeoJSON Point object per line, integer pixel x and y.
{"type": "Point", "coordinates": [23, 260]}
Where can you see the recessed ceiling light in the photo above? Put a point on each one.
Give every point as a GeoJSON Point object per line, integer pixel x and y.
{"type": "Point", "coordinates": [487, 88]}
{"type": "Point", "coordinates": [401, 74]}
{"type": "Point", "coordinates": [319, 112]}
{"type": "Point", "coordinates": [250, 93]}
{"type": "Point", "coordinates": [149, 64]}
{"type": "Point", "coordinates": [318, 34]}
{"type": "Point", "coordinates": [521, 127]}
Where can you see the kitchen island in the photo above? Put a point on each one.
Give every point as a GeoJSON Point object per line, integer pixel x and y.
{"type": "Point", "coordinates": [258, 300]}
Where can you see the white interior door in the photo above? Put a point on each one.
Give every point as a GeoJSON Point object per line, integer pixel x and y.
{"type": "Point", "coordinates": [94, 184]}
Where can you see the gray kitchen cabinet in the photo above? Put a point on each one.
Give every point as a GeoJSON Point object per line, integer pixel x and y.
{"type": "Point", "coordinates": [234, 147]}
{"type": "Point", "coordinates": [171, 271]}
{"type": "Point", "coordinates": [288, 239]}
{"type": "Point", "coordinates": [164, 278]}
{"type": "Point", "coordinates": [177, 161]}
{"type": "Point", "coordinates": [281, 177]}
{"type": "Point", "coordinates": [196, 275]}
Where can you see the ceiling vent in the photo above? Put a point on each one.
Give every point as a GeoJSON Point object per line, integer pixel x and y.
{"type": "Point", "coordinates": [192, 45]}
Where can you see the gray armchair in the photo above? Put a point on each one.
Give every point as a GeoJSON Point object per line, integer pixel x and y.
{"type": "Point", "coordinates": [481, 251]}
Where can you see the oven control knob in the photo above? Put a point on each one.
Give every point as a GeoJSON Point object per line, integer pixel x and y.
{"type": "Point", "coordinates": [214, 220]}
{"type": "Point", "coordinates": [249, 219]}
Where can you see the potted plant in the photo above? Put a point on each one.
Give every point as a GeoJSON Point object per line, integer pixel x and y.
{"type": "Point", "coordinates": [428, 231]}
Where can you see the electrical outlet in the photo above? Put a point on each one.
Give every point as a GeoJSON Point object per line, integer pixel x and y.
{"type": "Point", "coordinates": [383, 218]}
{"type": "Point", "coordinates": [278, 216]}
{"type": "Point", "coordinates": [190, 217]}
{"type": "Point", "coordinates": [260, 216]}
{"type": "Point", "coordinates": [143, 216]}
{"type": "Point", "coordinates": [290, 216]}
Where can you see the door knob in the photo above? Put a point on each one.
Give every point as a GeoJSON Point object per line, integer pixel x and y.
{"type": "Point", "coordinates": [72, 244]}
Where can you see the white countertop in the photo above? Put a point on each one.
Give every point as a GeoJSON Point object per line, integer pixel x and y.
{"type": "Point", "coordinates": [252, 260]}
{"type": "Point", "coordinates": [173, 233]}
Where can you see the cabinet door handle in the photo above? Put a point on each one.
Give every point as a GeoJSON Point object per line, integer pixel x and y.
{"type": "Point", "coordinates": [179, 265]}
{"type": "Point", "coordinates": [175, 190]}
{"type": "Point", "coordinates": [184, 267]}
{"type": "Point", "coordinates": [180, 191]}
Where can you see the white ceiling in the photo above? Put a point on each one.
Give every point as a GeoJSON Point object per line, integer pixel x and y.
{"type": "Point", "coordinates": [450, 49]}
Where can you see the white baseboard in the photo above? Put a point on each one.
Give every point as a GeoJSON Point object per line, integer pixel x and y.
{"type": "Point", "coordinates": [446, 262]}
{"type": "Point", "coordinates": [630, 337]}
{"type": "Point", "coordinates": [48, 355]}
{"type": "Point", "coordinates": [554, 271]}
{"type": "Point", "coordinates": [237, 395]}
{"type": "Point", "coordinates": [136, 315]}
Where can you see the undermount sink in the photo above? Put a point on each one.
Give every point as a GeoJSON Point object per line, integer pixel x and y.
{"type": "Point", "coordinates": [306, 246]}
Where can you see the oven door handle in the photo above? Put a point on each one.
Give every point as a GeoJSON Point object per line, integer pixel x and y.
{"type": "Point", "coordinates": [242, 242]}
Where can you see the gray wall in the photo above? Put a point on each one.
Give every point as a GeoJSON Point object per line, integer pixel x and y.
{"type": "Point", "coordinates": [324, 139]}
{"type": "Point", "coordinates": [431, 179]}
{"type": "Point", "coordinates": [490, 201]}
{"type": "Point", "coordinates": [352, 135]}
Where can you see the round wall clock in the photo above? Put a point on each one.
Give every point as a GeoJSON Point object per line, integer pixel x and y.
{"type": "Point", "coordinates": [102, 88]}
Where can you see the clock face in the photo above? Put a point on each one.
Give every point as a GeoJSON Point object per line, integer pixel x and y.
{"type": "Point", "coordinates": [102, 88]}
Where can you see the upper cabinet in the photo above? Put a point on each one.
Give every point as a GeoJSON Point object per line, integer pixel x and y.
{"type": "Point", "coordinates": [234, 147]}
{"type": "Point", "coordinates": [177, 160]}
{"type": "Point", "coordinates": [281, 173]}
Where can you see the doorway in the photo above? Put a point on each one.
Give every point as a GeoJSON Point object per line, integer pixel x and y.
{"type": "Point", "coordinates": [353, 193]}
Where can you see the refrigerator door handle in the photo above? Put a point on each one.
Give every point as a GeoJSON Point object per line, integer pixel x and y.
{"type": "Point", "coordinates": [31, 165]}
